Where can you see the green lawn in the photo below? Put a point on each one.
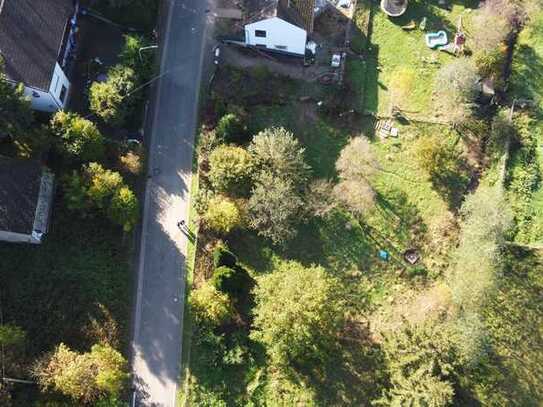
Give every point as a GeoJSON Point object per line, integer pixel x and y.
{"type": "Point", "coordinates": [74, 288]}
{"type": "Point", "coordinates": [394, 52]}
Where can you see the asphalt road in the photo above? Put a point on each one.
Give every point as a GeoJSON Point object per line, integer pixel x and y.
{"type": "Point", "coordinates": [158, 316]}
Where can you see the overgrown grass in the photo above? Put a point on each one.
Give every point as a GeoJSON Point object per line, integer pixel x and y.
{"type": "Point", "coordinates": [54, 291]}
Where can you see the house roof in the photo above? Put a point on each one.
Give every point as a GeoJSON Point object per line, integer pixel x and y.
{"type": "Point", "coordinates": [20, 182]}
{"type": "Point", "coordinates": [257, 10]}
{"type": "Point", "coordinates": [31, 33]}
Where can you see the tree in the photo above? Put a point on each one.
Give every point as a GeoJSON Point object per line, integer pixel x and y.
{"type": "Point", "coordinates": [357, 197]}
{"type": "Point", "coordinates": [457, 88]}
{"type": "Point", "coordinates": [102, 184]}
{"type": "Point", "coordinates": [229, 169]}
{"type": "Point", "coordinates": [355, 166]}
{"type": "Point", "coordinates": [274, 208]}
{"type": "Point", "coordinates": [11, 335]}
{"type": "Point", "coordinates": [222, 214]}
{"type": "Point", "coordinates": [85, 377]}
{"type": "Point", "coordinates": [493, 21]}
{"type": "Point", "coordinates": [485, 218]}
{"type": "Point", "coordinates": [210, 305]}
{"type": "Point", "coordinates": [79, 138]}
{"type": "Point", "coordinates": [277, 152]}
{"type": "Point", "coordinates": [298, 314]}
{"type": "Point", "coordinates": [124, 208]}
{"type": "Point", "coordinates": [140, 62]}
{"type": "Point", "coordinates": [97, 187]}
{"type": "Point", "coordinates": [14, 109]}
{"type": "Point", "coordinates": [320, 199]}
{"type": "Point", "coordinates": [422, 362]}
{"type": "Point", "coordinates": [111, 100]}
{"type": "Point", "coordinates": [356, 160]}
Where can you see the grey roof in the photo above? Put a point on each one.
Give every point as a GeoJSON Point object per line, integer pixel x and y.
{"type": "Point", "coordinates": [19, 191]}
{"type": "Point", "coordinates": [257, 10]}
{"type": "Point", "coordinates": [31, 33]}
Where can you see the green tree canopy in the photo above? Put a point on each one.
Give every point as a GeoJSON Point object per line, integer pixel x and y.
{"type": "Point", "coordinates": [298, 314]}
{"type": "Point", "coordinates": [111, 100]}
{"type": "Point", "coordinates": [85, 377]}
{"type": "Point", "coordinates": [105, 190]}
{"type": "Point", "coordinates": [14, 109]}
{"type": "Point", "coordinates": [476, 261]}
{"type": "Point", "coordinates": [222, 214]}
{"type": "Point", "coordinates": [210, 305]}
{"type": "Point", "coordinates": [422, 362]}
{"type": "Point", "coordinates": [229, 169]}
{"type": "Point", "coordinates": [124, 208]}
{"type": "Point", "coordinates": [276, 151]}
{"type": "Point", "coordinates": [274, 208]}
{"type": "Point", "coordinates": [78, 138]}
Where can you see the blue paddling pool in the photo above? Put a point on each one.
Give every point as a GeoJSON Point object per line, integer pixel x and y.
{"type": "Point", "coordinates": [436, 39]}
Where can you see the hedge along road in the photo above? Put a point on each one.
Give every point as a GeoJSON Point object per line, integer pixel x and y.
{"type": "Point", "coordinates": [158, 314]}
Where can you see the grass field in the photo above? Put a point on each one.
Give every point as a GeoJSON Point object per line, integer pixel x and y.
{"type": "Point", "coordinates": [399, 68]}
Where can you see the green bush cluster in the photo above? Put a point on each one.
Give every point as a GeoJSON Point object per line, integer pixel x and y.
{"type": "Point", "coordinates": [98, 188]}
{"type": "Point", "coordinates": [229, 277]}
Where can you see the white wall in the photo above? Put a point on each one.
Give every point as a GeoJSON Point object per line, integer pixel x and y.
{"type": "Point", "coordinates": [278, 33]}
{"type": "Point", "coordinates": [41, 100]}
{"type": "Point", "coordinates": [55, 89]}
{"type": "Point", "coordinates": [50, 101]}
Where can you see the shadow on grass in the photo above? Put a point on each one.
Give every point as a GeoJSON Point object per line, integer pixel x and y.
{"type": "Point", "coordinates": [417, 10]}
{"type": "Point", "coordinates": [53, 289]}
{"type": "Point", "coordinates": [349, 375]}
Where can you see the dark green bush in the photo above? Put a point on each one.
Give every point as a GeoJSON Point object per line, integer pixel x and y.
{"type": "Point", "coordinates": [223, 257]}
{"type": "Point", "coordinates": [233, 281]}
{"type": "Point", "coordinates": [231, 128]}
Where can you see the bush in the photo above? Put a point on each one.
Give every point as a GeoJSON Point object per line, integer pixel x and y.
{"type": "Point", "coordinates": [111, 100]}
{"type": "Point", "coordinates": [234, 281]}
{"type": "Point", "coordinates": [130, 56]}
{"type": "Point", "coordinates": [97, 187]}
{"type": "Point", "coordinates": [132, 162]}
{"type": "Point", "coordinates": [457, 87]}
{"type": "Point", "coordinates": [229, 169]}
{"type": "Point", "coordinates": [79, 138]}
{"type": "Point", "coordinates": [493, 22]}
{"type": "Point", "coordinates": [490, 63]}
{"type": "Point", "coordinates": [222, 215]}
{"type": "Point", "coordinates": [210, 305]}
{"type": "Point", "coordinates": [231, 128]}
{"type": "Point", "coordinates": [223, 257]}
{"type": "Point", "coordinates": [86, 377]}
